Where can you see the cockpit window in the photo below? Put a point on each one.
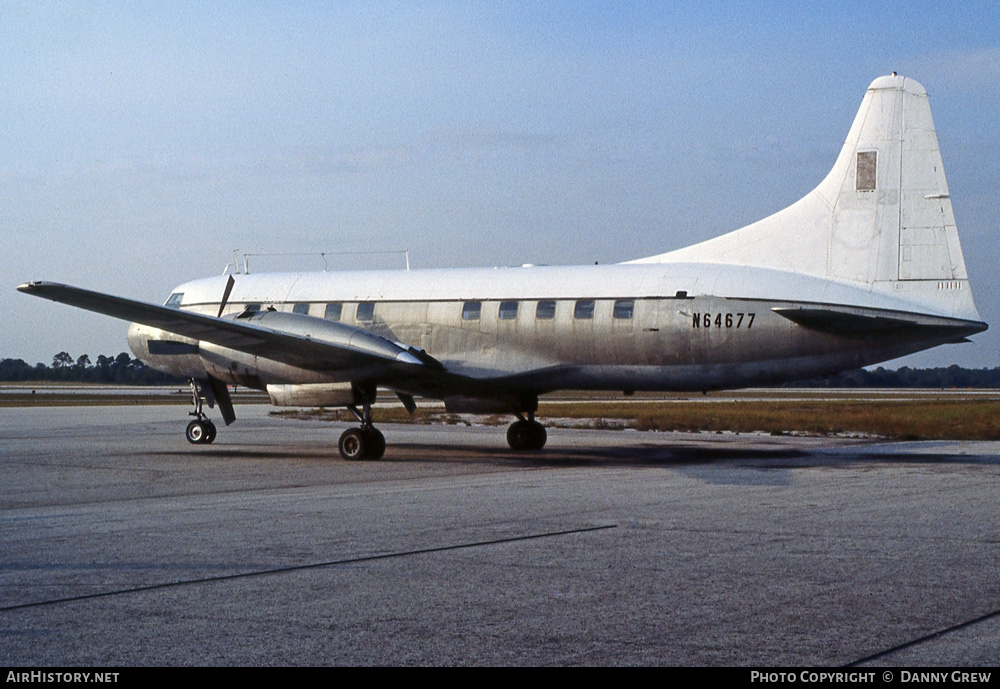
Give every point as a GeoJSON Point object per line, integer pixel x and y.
{"type": "Point", "coordinates": [174, 301]}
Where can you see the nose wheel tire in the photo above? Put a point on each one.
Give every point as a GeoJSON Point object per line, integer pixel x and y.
{"type": "Point", "coordinates": [200, 432]}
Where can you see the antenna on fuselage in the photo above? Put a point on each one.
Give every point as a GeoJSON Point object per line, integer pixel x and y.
{"type": "Point", "coordinates": [324, 255]}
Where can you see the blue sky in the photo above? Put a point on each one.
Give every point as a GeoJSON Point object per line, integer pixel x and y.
{"type": "Point", "coordinates": [141, 143]}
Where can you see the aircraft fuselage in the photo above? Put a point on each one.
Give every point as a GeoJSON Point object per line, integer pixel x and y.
{"type": "Point", "coordinates": [536, 329]}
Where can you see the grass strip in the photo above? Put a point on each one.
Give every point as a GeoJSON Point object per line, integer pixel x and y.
{"type": "Point", "coordinates": [909, 419]}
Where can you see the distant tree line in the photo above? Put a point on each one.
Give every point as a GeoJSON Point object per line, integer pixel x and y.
{"type": "Point", "coordinates": [119, 370]}
{"type": "Point", "coordinates": [906, 377]}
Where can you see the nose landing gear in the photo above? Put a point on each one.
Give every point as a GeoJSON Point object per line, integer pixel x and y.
{"type": "Point", "coordinates": [201, 431]}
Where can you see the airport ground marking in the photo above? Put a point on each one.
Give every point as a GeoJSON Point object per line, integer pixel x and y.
{"type": "Point", "coordinates": [314, 565]}
{"type": "Point", "coordinates": [927, 637]}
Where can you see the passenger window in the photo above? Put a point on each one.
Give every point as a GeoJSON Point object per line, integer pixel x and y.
{"type": "Point", "coordinates": [301, 308]}
{"type": "Point", "coordinates": [471, 310]}
{"type": "Point", "coordinates": [545, 311]}
{"type": "Point", "coordinates": [584, 309]}
{"type": "Point", "coordinates": [333, 311]}
{"type": "Point", "coordinates": [508, 310]}
{"type": "Point", "coordinates": [624, 308]}
{"type": "Point", "coordinates": [174, 301]}
{"type": "Point", "coordinates": [366, 312]}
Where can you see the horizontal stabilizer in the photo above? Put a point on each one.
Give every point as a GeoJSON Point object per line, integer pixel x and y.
{"type": "Point", "coordinates": [849, 323]}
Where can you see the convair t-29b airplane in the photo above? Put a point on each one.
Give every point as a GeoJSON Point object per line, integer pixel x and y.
{"type": "Point", "coordinates": [867, 267]}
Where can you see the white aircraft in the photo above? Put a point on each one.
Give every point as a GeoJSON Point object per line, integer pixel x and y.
{"type": "Point", "coordinates": [867, 267]}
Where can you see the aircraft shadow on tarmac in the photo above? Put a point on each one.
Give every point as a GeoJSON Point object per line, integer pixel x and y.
{"type": "Point", "coordinates": [634, 455]}
{"type": "Point", "coordinates": [637, 455]}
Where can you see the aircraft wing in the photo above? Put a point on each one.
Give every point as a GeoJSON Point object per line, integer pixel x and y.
{"type": "Point", "coordinates": [278, 336]}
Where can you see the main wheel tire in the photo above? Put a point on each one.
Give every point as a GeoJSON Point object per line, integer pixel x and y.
{"type": "Point", "coordinates": [210, 432]}
{"type": "Point", "coordinates": [538, 436]}
{"type": "Point", "coordinates": [376, 444]}
{"type": "Point", "coordinates": [516, 436]}
{"type": "Point", "coordinates": [197, 432]}
{"type": "Point", "coordinates": [353, 444]}
{"type": "Point", "coordinates": [526, 435]}
{"type": "Point", "coordinates": [519, 435]}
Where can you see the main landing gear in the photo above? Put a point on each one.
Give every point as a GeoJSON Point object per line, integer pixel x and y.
{"type": "Point", "coordinates": [526, 434]}
{"type": "Point", "coordinates": [201, 431]}
{"type": "Point", "coordinates": [365, 442]}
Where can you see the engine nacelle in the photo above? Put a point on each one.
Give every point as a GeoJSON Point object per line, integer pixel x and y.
{"type": "Point", "coordinates": [166, 352]}
{"type": "Point", "coordinates": [315, 395]}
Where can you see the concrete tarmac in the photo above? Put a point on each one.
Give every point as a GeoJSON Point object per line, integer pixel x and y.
{"type": "Point", "coordinates": [121, 544]}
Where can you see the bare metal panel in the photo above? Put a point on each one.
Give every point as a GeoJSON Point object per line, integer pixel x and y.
{"type": "Point", "coordinates": [865, 175]}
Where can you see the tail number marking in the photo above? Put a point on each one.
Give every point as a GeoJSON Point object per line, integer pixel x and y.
{"type": "Point", "coordinates": [723, 320]}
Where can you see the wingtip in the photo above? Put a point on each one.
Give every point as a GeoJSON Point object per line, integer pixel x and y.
{"type": "Point", "coordinates": [36, 286]}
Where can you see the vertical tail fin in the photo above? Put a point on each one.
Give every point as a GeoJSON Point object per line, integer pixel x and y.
{"type": "Point", "coordinates": [882, 216]}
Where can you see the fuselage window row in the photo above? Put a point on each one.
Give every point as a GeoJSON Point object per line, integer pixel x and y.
{"type": "Point", "coordinates": [583, 309]}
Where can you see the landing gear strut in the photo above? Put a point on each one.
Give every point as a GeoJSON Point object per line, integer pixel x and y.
{"type": "Point", "coordinates": [366, 442]}
{"type": "Point", "coordinates": [526, 434]}
{"type": "Point", "coordinates": [201, 431]}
